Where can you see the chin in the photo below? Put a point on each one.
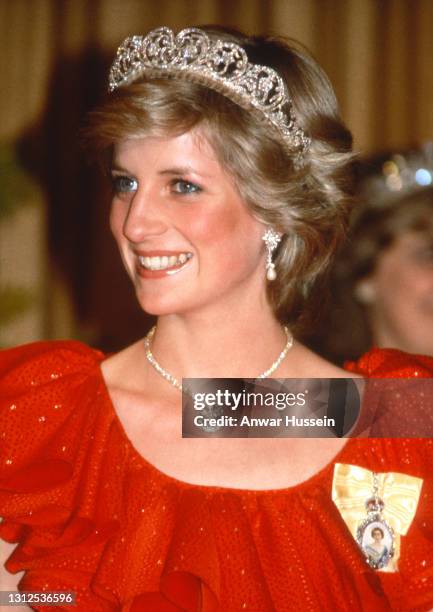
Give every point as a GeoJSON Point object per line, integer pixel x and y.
{"type": "Point", "coordinates": [162, 304]}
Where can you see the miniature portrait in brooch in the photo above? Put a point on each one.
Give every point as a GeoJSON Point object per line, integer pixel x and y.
{"type": "Point", "coordinates": [377, 543]}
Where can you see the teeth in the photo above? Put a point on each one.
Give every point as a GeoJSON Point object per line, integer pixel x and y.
{"type": "Point", "coordinates": [163, 262]}
{"type": "Point", "coordinates": [155, 263]}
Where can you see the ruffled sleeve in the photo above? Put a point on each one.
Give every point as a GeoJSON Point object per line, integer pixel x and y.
{"type": "Point", "coordinates": [411, 589]}
{"type": "Point", "coordinates": [88, 513]}
{"type": "Point", "coordinates": [48, 410]}
{"type": "Point", "coordinates": [391, 363]}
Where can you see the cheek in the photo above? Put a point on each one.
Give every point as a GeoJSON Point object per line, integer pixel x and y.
{"type": "Point", "coordinates": [226, 229]}
{"type": "Point", "coordinates": [117, 220]}
{"type": "Point", "coordinates": [401, 283]}
{"type": "Point", "coordinates": [393, 277]}
{"type": "Point", "coordinates": [212, 228]}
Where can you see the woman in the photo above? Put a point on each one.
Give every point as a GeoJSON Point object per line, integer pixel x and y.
{"type": "Point", "coordinates": [376, 549]}
{"type": "Point", "coordinates": [229, 198]}
{"type": "Point", "coordinates": [383, 280]}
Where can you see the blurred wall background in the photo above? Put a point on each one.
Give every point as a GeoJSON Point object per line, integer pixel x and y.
{"type": "Point", "coordinates": [60, 274]}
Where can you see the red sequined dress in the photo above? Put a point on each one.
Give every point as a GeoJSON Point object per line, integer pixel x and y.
{"type": "Point", "coordinates": [92, 516]}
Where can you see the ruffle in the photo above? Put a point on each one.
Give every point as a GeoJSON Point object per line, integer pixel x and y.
{"type": "Point", "coordinates": [48, 427]}
{"type": "Point", "coordinates": [391, 363]}
{"type": "Point", "coordinates": [68, 487]}
{"type": "Point", "coordinates": [92, 516]}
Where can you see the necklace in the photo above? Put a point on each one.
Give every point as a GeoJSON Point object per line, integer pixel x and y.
{"type": "Point", "coordinates": [173, 381]}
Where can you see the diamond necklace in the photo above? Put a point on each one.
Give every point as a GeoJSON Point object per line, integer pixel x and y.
{"type": "Point", "coordinates": [173, 381]}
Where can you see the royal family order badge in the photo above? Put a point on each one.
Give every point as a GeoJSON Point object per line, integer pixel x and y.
{"type": "Point", "coordinates": [374, 536]}
{"type": "Point", "coordinates": [378, 509]}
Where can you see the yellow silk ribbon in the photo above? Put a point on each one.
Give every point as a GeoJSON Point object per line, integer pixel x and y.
{"type": "Point", "coordinates": [353, 485]}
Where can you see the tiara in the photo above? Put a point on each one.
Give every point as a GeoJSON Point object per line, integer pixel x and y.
{"type": "Point", "coordinates": [401, 175]}
{"type": "Point", "coordinates": [218, 64]}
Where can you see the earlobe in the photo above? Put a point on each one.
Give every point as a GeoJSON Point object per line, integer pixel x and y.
{"type": "Point", "coordinates": [365, 291]}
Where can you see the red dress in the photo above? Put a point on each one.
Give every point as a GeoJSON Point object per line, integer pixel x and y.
{"type": "Point", "coordinates": [94, 517]}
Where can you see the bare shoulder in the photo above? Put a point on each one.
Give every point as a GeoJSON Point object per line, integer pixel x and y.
{"type": "Point", "coordinates": [126, 369]}
{"type": "Point", "coordinates": [139, 397]}
{"type": "Point", "coordinates": [304, 363]}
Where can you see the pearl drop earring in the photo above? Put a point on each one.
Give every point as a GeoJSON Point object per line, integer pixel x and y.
{"type": "Point", "coordinates": [271, 239]}
{"type": "Point", "coordinates": [365, 292]}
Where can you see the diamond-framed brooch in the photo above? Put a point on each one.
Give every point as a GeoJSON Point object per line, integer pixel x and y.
{"type": "Point", "coordinates": [374, 535]}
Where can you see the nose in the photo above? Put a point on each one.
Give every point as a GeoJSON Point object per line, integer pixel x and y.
{"type": "Point", "coordinates": [144, 218]}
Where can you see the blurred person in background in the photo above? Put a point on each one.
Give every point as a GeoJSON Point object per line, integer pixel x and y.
{"type": "Point", "coordinates": [382, 281]}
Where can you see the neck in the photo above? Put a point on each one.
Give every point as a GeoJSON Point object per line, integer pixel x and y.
{"type": "Point", "coordinates": [385, 336]}
{"type": "Point", "coordinates": [202, 345]}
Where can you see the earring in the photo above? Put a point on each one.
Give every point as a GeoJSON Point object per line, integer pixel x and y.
{"type": "Point", "coordinates": [271, 239]}
{"type": "Point", "coordinates": [365, 292]}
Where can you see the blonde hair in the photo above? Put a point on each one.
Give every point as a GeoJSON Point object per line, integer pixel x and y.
{"type": "Point", "coordinates": [308, 204]}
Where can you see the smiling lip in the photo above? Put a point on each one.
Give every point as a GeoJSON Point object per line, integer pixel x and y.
{"type": "Point", "coordinates": [160, 264]}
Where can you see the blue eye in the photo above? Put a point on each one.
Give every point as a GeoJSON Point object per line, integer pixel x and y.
{"type": "Point", "coordinates": [124, 184]}
{"type": "Point", "coordinates": [184, 187]}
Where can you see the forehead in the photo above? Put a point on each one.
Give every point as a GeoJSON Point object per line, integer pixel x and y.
{"type": "Point", "coordinates": [189, 149]}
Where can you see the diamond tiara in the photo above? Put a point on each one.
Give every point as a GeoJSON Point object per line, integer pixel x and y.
{"type": "Point", "coordinates": [218, 64]}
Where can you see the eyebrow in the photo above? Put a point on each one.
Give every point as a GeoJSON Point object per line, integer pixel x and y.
{"type": "Point", "coordinates": [181, 170]}
{"type": "Point", "coordinates": [178, 170]}
{"type": "Point", "coordinates": [116, 168]}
